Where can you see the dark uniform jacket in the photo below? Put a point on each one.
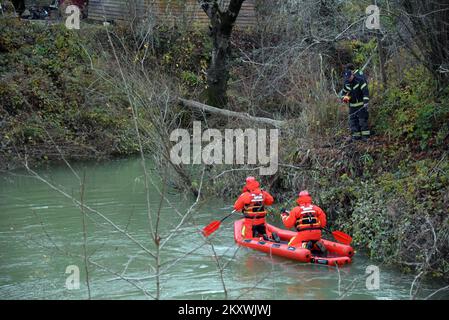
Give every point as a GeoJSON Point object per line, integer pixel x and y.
{"type": "Point", "coordinates": [357, 90]}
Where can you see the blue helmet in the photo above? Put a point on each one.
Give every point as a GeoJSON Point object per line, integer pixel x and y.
{"type": "Point", "coordinates": [347, 74]}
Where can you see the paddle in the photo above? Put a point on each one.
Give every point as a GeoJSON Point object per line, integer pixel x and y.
{"type": "Point", "coordinates": [214, 225]}
{"type": "Point", "coordinates": [340, 236]}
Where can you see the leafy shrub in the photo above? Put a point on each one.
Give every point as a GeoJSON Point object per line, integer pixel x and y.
{"type": "Point", "coordinates": [410, 110]}
{"type": "Point", "coordinates": [46, 84]}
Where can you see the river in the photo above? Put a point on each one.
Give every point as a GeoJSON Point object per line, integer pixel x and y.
{"type": "Point", "coordinates": [41, 239]}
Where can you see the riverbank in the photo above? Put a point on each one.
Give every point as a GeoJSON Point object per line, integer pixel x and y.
{"type": "Point", "coordinates": [53, 102]}
{"type": "Point", "coordinates": [390, 193]}
{"type": "Point", "coordinates": [33, 219]}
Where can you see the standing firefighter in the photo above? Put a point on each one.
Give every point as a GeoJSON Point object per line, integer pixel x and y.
{"type": "Point", "coordinates": [355, 92]}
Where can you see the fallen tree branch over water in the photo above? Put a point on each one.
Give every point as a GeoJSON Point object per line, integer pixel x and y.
{"type": "Point", "coordinates": [240, 115]}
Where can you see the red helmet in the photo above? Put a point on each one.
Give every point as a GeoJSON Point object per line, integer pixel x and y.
{"type": "Point", "coordinates": [304, 193]}
{"type": "Point", "coordinates": [250, 179]}
{"type": "Point", "coordinates": [304, 198]}
{"type": "Point", "coordinates": [251, 184]}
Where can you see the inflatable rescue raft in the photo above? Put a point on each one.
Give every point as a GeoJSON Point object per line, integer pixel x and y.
{"type": "Point", "coordinates": [338, 254]}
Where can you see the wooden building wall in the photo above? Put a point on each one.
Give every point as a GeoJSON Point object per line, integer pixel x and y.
{"type": "Point", "coordinates": [163, 10]}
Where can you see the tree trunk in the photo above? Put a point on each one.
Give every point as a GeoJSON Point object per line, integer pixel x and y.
{"type": "Point", "coordinates": [233, 114]}
{"type": "Point", "coordinates": [382, 59]}
{"type": "Point", "coordinates": [222, 23]}
{"type": "Point", "coordinates": [218, 72]}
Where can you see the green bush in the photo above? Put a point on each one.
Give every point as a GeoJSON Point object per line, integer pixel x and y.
{"type": "Point", "coordinates": [46, 84]}
{"type": "Point", "coordinates": [410, 110]}
{"type": "Point", "coordinates": [184, 52]}
{"type": "Point", "coordinates": [393, 211]}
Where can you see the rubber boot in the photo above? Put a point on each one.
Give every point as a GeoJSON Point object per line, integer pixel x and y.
{"type": "Point", "coordinates": [322, 248]}
{"type": "Point", "coordinates": [276, 237]}
{"type": "Point", "coordinates": [309, 245]}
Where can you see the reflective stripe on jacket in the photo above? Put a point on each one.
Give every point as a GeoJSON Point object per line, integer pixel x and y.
{"type": "Point", "coordinates": [252, 204]}
{"type": "Point", "coordinates": [255, 209]}
{"type": "Point", "coordinates": [357, 90]}
{"type": "Point", "coordinates": [308, 219]}
{"type": "Point", "coordinates": [302, 217]}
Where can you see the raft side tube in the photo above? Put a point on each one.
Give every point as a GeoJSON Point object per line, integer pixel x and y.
{"type": "Point", "coordinates": [339, 254]}
{"type": "Point", "coordinates": [273, 248]}
{"type": "Point", "coordinates": [334, 248]}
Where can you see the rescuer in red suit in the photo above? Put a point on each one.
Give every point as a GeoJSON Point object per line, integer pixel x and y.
{"type": "Point", "coordinates": [309, 220]}
{"type": "Point", "coordinates": [252, 204]}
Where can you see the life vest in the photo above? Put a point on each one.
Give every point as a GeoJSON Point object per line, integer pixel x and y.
{"type": "Point", "coordinates": [308, 219]}
{"type": "Point", "coordinates": [255, 209]}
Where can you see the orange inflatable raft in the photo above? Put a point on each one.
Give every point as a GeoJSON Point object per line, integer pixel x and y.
{"type": "Point", "coordinates": [337, 253]}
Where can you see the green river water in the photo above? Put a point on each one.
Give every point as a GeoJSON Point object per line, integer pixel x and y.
{"type": "Point", "coordinates": [41, 234]}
